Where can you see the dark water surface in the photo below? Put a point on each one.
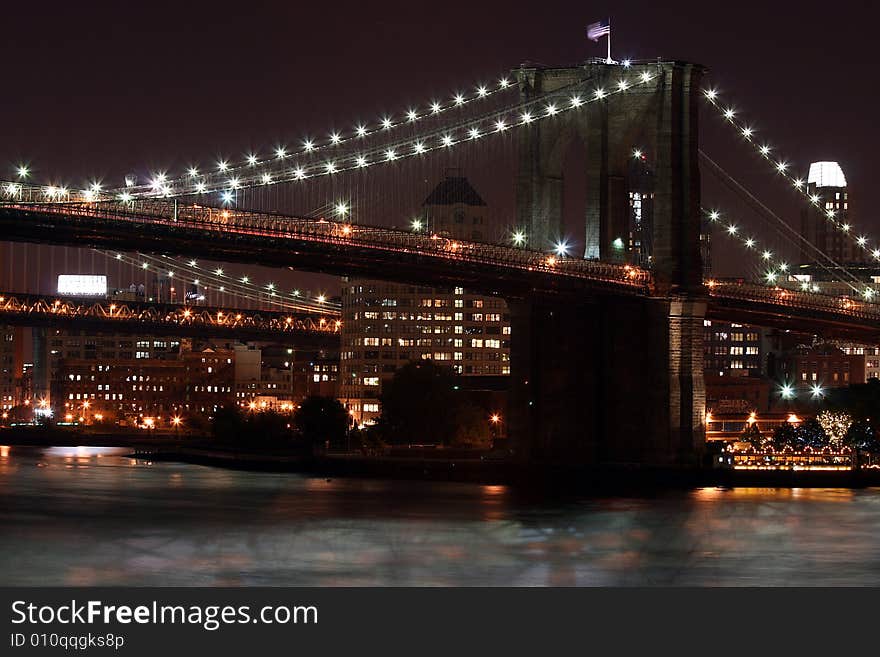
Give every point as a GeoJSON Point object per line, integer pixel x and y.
{"type": "Point", "coordinates": [91, 516]}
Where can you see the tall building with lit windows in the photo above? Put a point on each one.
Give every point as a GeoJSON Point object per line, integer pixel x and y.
{"type": "Point", "coordinates": [827, 223]}
{"type": "Point", "coordinates": [640, 224]}
{"type": "Point", "coordinates": [386, 325]}
{"type": "Point", "coordinates": [732, 350]}
{"type": "Point", "coordinates": [8, 397]}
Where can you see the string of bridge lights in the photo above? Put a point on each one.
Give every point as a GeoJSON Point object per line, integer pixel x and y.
{"type": "Point", "coordinates": [782, 168]}
{"type": "Point", "coordinates": [493, 123]}
{"type": "Point", "coordinates": [191, 272]}
{"type": "Point", "coordinates": [778, 269]}
{"type": "Point", "coordinates": [775, 269]}
{"type": "Point", "coordinates": [309, 147]}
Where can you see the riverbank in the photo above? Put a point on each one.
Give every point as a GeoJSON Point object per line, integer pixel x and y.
{"type": "Point", "coordinates": [509, 472]}
{"type": "Point", "coordinates": [481, 468]}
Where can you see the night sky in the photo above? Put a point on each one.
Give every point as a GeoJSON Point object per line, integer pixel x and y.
{"type": "Point", "coordinates": [101, 89]}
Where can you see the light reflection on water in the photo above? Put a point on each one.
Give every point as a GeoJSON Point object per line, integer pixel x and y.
{"type": "Point", "coordinates": [92, 516]}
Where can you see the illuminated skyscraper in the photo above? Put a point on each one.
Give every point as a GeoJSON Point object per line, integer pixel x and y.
{"type": "Point", "coordinates": [826, 224]}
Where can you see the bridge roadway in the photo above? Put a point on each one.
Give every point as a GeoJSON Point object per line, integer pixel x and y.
{"type": "Point", "coordinates": [337, 248]}
{"type": "Point", "coordinates": [172, 319]}
{"type": "Point", "coordinates": [316, 245]}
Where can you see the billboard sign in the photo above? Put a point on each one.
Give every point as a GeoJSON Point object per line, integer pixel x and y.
{"type": "Point", "coordinates": [76, 285]}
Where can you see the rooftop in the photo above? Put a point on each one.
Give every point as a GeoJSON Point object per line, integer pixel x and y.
{"type": "Point", "coordinates": [454, 190]}
{"type": "Point", "coordinates": [826, 174]}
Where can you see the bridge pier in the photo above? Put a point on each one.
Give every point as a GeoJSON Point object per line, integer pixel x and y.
{"type": "Point", "coordinates": [609, 381]}
{"type": "Point", "coordinates": [613, 379]}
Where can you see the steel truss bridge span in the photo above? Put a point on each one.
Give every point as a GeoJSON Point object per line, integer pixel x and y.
{"type": "Point", "coordinates": [339, 248]}
{"type": "Point", "coordinates": [171, 319]}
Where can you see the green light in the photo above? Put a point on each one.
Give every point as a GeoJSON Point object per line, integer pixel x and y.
{"type": "Point", "coordinates": [617, 243]}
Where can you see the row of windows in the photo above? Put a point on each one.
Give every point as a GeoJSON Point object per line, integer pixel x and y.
{"type": "Point", "coordinates": [732, 336]}
{"type": "Point", "coordinates": [385, 302]}
{"type": "Point", "coordinates": [721, 350]}
{"type": "Point", "coordinates": [115, 344]}
{"type": "Point", "coordinates": [835, 376]}
{"type": "Point", "coordinates": [375, 381]}
{"type": "Point", "coordinates": [372, 366]}
{"type": "Point", "coordinates": [427, 317]}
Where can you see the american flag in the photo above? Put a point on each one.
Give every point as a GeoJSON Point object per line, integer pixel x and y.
{"type": "Point", "coordinates": [595, 31]}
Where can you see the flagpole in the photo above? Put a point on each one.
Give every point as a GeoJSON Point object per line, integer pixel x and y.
{"type": "Point", "coordinates": [609, 41]}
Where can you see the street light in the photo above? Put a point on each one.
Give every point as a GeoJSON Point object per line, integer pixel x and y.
{"type": "Point", "coordinates": [787, 391]}
{"type": "Point", "coordinates": [495, 419]}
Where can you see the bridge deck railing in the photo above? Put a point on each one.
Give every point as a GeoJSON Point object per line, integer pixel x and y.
{"type": "Point", "coordinates": [347, 234]}
{"type": "Point", "coordinates": [785, 297]}
{"type": "Point", "coordinates": [624, 277]}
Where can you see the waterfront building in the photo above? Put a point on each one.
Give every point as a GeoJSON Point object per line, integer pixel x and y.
{"type": "Point", "coordinates": [816, 368]}
{"type": "Point", "coordinates": [386, 325]}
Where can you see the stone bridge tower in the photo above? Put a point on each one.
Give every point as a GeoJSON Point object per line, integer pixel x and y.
{"type": "Point", "coordinates": [613, 380]}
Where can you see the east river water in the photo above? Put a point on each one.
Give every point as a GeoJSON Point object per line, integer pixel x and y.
{"type": "Point", "coordinates": [92, 516]}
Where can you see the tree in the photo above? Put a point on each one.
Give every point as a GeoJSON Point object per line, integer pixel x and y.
{"type": "Point", "coordinates": [228, 423]}
{"type": "Point", "coordinates": [786, 435]}
{"type": "Point", "coordinates": [268, 427]}
{"type": "Point", "coordinates": [320, 420]}
{"type": "Point", "coordinates": [862, 437]}
{"type": "Point", "coordinates": [422, 404]}
{"type": "Point", "coordinates": [811, 434]}
{"type": "Point", "coordinates": [471, 428]}
{"type": "Point", "coordinates": [798, 437]}
{"type": "Point", "coordinates": [752, 435]}
{"type": "Point", "coordinates": [835, 424]}
{"type": "Point", "coordinates": [231, 424]}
